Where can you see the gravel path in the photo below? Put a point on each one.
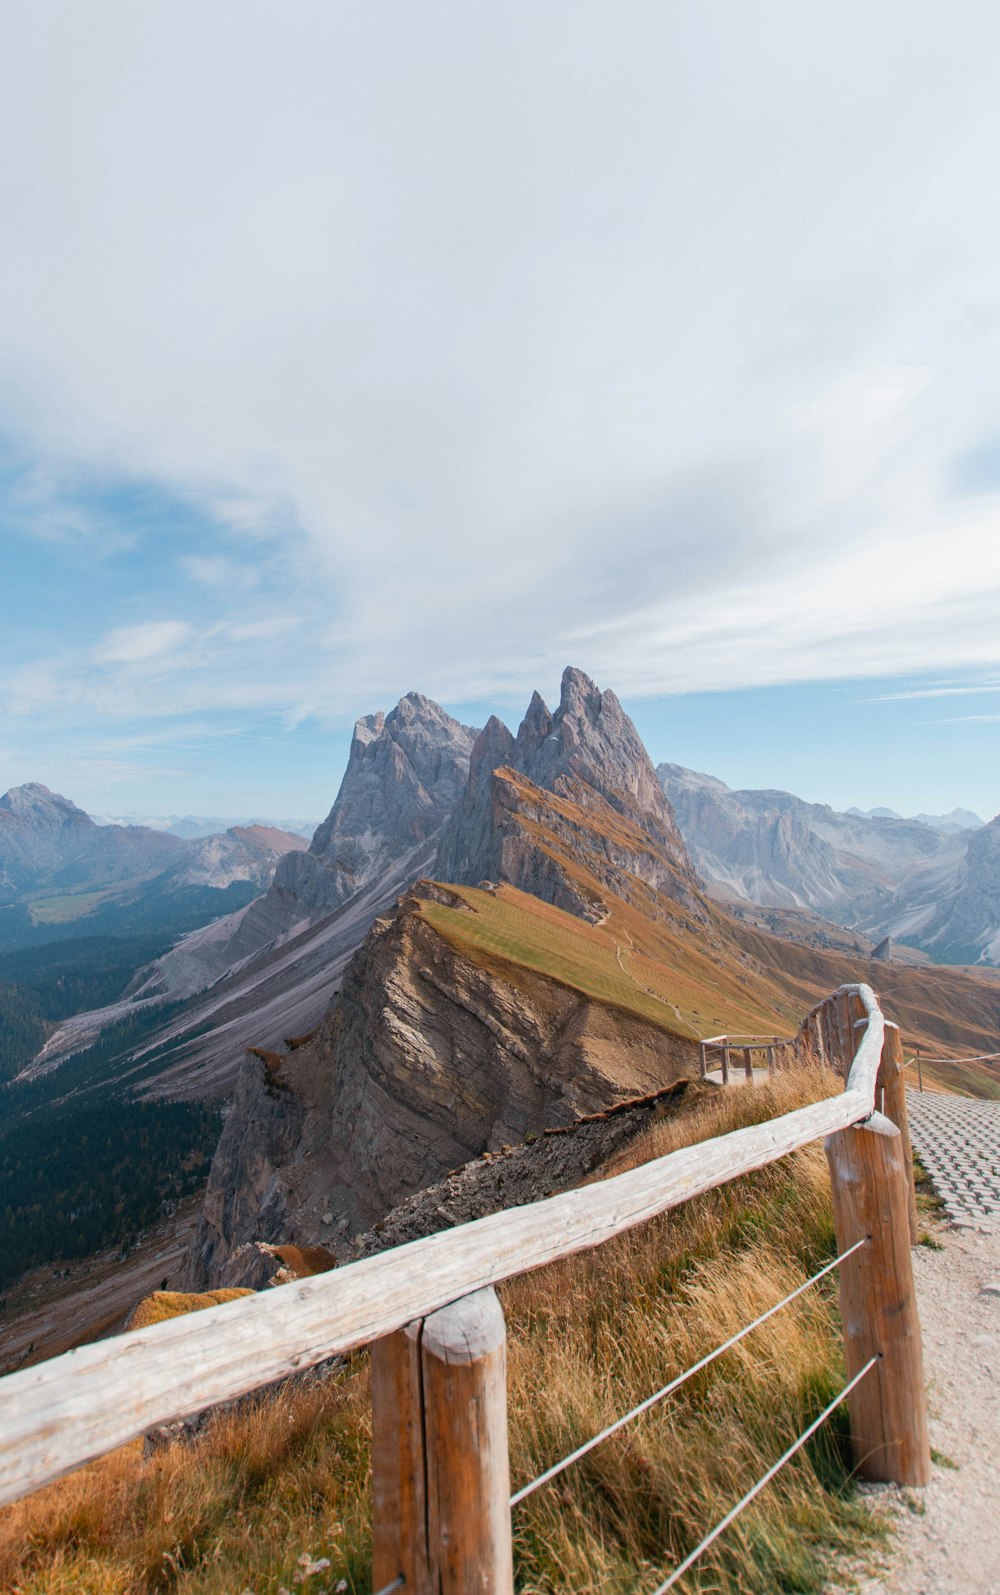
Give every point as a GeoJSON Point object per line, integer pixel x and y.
{"type": "Point", "coordinates": [948, 1536]}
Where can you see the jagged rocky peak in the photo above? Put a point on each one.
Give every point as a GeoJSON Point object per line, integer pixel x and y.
{"type": "Point", "coordinates": [534, 730]}
{"type": "Point", "coordinates": [36, 804]}
{"type": "Point", "coordinates": [494, 745]}
{"type": "Point", "coordinates": [593, 739]}
{"type": "Point", "coordinates": [587, 751]}
{"type": "Point", "coordinates": [406, 772]}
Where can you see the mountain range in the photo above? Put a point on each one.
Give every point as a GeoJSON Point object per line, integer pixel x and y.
{"type": "Point", "coordinates": [51, 854]}
{"type": "Point", "coordinates": [958, 820]}
{"type": "Point", "coordinates": [424, 795]}
{"type": "Point", "coordinates": [492, 933]}
{"type": "Point", "coordinates": [562, 958]}
{"type": "Point", "coordinates": [191, 827]}
{"type": "Point", "coordinates": [922, 880]}
{"type": "Point", "coordinates": [60, 870]}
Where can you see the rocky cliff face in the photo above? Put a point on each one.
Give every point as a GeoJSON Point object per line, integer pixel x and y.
{"type": "Point", "coordinates": [404, 776]}
{"type": "Point", "coordinates": [262, 1130]}
{"type": "Point", "coordinates": [403, 779]}
{"type": "Point", "coordinates": [957, 917]}
{"type": "Point", "coordinates": [590, 755]}
{"type": "Point", "coordinates": [427, 1058]}
{"type": "Point", "coordinates": [772, 848]}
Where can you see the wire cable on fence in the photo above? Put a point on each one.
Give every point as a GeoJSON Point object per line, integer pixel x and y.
{"type": "Point", "coordinates": [734, 1512]}
{"type": "Point", "coordinates": [660, 1395]}
{"type": "Point", "coordinates": [397, 1583]}
{"type": "Point", "coordinates": [983, 1057]}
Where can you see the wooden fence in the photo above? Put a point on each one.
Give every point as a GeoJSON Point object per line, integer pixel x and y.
{"type": "Point", "coordinates": [441, 1489]}
{"type": "Point", "coordinates": [770, 1052]}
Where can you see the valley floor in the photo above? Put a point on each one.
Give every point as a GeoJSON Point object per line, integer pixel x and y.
{"type": "Point", "coordinates": [47, 1313]}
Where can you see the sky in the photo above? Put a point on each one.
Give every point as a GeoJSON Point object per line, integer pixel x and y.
{"type": "Point", "coordinates": [347, 350]}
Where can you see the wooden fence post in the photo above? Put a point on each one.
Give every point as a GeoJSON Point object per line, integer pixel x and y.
{"type": "Point", "coordinates": [464, 1356]}
{"type": "Point", "coordinates": [888, 1409]}
{"type": "Point", "coordinates": [747, 1063]}
{"type": "Point", "coordinates": [703, 1059]}
{"type": "Point", "coordinates": [725, 1061]}
{"type": "Point", "coordinates": [440, 1469]}
{"type": "Point", "coordinates": [892, 1083]}
{"type": "Point", "coordinates": [399, 1501]}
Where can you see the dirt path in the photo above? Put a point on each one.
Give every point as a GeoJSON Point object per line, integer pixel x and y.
{"type": "Point", "coordinates": [647, 989]}
{"type": "Point", "coordinates": [948, 1536]}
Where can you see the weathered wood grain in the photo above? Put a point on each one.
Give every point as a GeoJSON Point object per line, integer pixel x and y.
{"type": "Point", "coordinates": [888, 1409]}
{"type": "Point", "coordinates": [67, 1411]}
{"type": "Point", "coordinates": [463, 1353]}
{"type": "Point", "coordinates": [399, 1485]}
{"type": "Point", "coordinates": [890, 1096]}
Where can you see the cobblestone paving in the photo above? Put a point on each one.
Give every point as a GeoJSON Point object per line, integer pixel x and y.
{"type": "Point", "coordinates": [958, 1141]}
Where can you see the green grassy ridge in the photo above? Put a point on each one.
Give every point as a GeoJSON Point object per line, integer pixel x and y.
{"type": "Point", "coordinates": [549, 942]}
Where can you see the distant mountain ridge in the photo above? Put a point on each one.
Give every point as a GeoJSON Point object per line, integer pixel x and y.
{"type": "Point", "coordinates": [192, 827]}
{"type": "Point", "coordinates": [59, 866]}
{"type": "Point", "coordinates": [958, 820]}
{"type": "Point", "coordinates": [931, 885]}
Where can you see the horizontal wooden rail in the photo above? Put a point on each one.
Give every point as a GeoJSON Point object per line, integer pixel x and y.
{"type": "Point", "coordinates": [74, 1408]}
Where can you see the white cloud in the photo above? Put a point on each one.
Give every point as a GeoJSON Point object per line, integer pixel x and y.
{"type": "Point", "coordinates": [494, 337]}
{"type": "Point", "coordinates": [137, 644]}
{"type": "Point", "coordinates": [956, 691]}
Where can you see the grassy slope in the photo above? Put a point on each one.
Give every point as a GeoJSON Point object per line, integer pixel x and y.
{"type": "Point", "coordinates": [698, 982]}
{"type": "Point", "coordinates": [652, 955]}
{"type": "Point", "coordinates": [652, 969]}
{"type": "Point", "coordinates": [236, 1509]}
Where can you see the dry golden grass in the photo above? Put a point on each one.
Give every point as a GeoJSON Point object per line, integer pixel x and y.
{"type": "Point", "coordinates": [160, 1305]}
{"type": "Point", "coordinates": [236, 1509]}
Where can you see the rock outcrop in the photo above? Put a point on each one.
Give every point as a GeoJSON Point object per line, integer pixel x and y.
{"type": "Point", "coordinates": [590, 755]}
{"type": "Point", "coordinates": [556, 1160]}
{"type": "Point", "coordinates": [245, 1198]}
{"type": "Point", "coordinates": [404, 777]}
{"type": "Point", "coordinates": [427, 1058]}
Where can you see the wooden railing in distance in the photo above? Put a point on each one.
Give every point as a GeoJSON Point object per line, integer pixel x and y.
{"type": "Point", "coordinates": [429, 1479]}
{"type": "Point", "coordinates": [772, 1052]}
